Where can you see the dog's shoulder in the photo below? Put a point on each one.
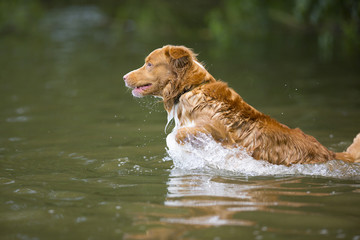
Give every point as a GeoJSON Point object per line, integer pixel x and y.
{"type": "Point", "coordinates": [193, 100]}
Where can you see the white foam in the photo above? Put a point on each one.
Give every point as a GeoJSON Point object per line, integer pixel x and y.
{"type": "Point", "coordinates": [203, 153]}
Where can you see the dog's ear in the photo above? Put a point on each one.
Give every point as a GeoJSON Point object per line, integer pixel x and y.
{"type": "Point", "coordinates": [179, 56]}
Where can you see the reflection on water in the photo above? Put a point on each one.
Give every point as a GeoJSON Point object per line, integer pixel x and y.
{"type": "Point", "coordinates": [258, 205]}
{"type": "Point", "coordinates": [73, 23]}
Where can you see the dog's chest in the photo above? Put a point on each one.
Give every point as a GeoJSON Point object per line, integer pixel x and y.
{"type": "Point", "coordinates": [181, 117]}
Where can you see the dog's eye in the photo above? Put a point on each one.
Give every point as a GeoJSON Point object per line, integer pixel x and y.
{"type": "Point", "coordinates": [149, 65]}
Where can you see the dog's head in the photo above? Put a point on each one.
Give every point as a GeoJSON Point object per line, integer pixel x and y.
{"type": "Point", "coordinates": [164, 68]}
{"type": "Point", "coordinates": [168, 72]}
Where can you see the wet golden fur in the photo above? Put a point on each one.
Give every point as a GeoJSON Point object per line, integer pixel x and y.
{"type": "Point", "coordinates": [202, 104]}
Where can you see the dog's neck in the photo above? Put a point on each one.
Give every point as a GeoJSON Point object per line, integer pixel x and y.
{"type": "Point", "coordinates": [192, 79]}
{"type": "Point", "coordinates": [176, 99]}
{"type": "Point", "coordinates": [169, 103]}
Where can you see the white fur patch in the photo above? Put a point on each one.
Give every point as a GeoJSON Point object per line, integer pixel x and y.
{"type": "Point", "coordinates": [172, 114]}
{"type": "Point", "coordinates": [199, 64]}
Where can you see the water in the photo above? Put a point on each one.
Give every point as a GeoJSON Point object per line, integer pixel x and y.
{"type": "Point", "coordinates": [80, 158]}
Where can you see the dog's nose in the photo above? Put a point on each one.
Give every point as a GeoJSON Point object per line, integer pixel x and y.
{"type": "Point", "coordinates": [125, 77]}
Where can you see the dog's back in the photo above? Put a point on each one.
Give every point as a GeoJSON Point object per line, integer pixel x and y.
{"type": "Point", "coordinates": [243, 125]}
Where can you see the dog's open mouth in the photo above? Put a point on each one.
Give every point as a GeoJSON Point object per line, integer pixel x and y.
{"type": "Point", "coordinates": [138, 91]}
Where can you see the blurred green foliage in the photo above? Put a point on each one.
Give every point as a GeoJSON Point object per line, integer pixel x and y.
{"type": "Point", "coordinates": [333, 25]}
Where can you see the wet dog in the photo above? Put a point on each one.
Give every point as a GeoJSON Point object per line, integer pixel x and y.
{"type": "Point", "coordinates": [200, 104]}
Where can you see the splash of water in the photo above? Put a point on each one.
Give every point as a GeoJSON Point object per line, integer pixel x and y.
{"type": "Point", "coordinates": [203, 153]}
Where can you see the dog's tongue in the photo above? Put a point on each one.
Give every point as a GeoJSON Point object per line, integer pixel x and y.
{"type": "Point", "coordinates": [137, 91]}
{"type": "Point", "coordinates": [144, 87]}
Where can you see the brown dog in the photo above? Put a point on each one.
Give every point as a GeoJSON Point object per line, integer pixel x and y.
{"type": "Point", "coordinates": [201, 104]}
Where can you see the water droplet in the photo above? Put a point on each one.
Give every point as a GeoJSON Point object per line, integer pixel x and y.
{"type": "Point", "coordinates": [324, 231]}
{"type": "Point", "coordinates": [81, 219]}
{"type": "Point", "coordinates": [18, 119]}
